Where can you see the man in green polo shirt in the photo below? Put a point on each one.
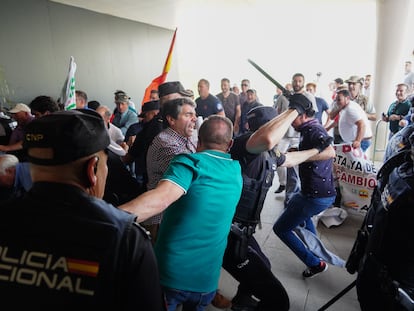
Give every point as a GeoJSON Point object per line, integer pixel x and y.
{"type": "Point", "coordinates": [398, 109]}
{"type": "Point", "coordinates": [201, 190]}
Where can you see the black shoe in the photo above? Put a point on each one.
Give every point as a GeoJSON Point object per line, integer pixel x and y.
{"type": "Point", "coordinates": [243, 303]}
{"type": "Point", "coordinates": [280, 189]}
{"type": "Point", "coordinates": [242, 308]}
{"type": "Point", "coordinates": [313, 271]}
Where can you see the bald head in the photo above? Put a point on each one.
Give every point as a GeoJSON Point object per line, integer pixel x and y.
{"type": "Point", "coordinates": [216, 132]}
{"type": "Point", "coordinates": [105, 113]}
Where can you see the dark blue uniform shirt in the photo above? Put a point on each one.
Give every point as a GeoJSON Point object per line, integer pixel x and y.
{"type": "Point", "coordinates": [61, 249]}
{"type": "Point", "coordinates": [316, 177]}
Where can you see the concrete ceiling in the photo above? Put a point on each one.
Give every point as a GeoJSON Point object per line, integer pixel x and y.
{"type": "Point", "coordinates": [169, 13]}
{"type": "Point", "coordinates": [162, 13]}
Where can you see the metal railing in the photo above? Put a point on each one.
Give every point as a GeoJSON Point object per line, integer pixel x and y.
{"type": "Point", "coordinates": [380, 138]}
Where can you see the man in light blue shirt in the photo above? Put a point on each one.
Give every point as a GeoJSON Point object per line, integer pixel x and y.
{"type": "Point", "coordinates": [123, 116]}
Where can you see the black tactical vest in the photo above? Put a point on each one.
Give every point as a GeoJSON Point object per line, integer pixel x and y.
{"type": "Point", "coordinates": [255, 189]}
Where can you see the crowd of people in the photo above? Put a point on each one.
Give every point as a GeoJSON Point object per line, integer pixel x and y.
{"type": "Point", "coordinates": [112, 207]}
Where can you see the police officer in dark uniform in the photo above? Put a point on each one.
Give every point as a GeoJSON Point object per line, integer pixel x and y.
{"type": "Point", "coordinates": [386, 272]}
{"type": "Point", "coordinates": [61, 246]}
{"type": "Point", "coordinates": [7, 125]}
{"type": "Point", "coordinates": [399, 141]}
{"type": "Point", "coordinates": [243, 258]}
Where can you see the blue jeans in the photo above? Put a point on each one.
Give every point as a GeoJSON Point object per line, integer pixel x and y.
{"type": "Point", "coordinates": [191, 301]}
{"type": "Point", "coordinates": [365, 144]}
{"type": "Point", "coordinates": [299, 211]}
{"type": "Point", "coordinates": [292, 183]}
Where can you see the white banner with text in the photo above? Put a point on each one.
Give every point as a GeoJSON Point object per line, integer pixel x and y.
{"type": "Point", "coordinates": [355, 175]}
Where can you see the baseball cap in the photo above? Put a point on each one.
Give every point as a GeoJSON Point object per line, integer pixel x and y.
{"type": "Point", "coordinates": [342, 88]}
{"type": "Point", "coordinates": [117, 92]}
{"type": "Point", "coordinates": [148, 106]}
{"type": "Point", "coordinates": [20, 107]}
{"type": "Point", "coordinates": [190, 92]}
{"type": "Point", "coordinates": [251, 91]}
{"type": "Point", "coordinates": [258, 116]}
{"type": "Point", "coordinates": [172, 87]}
{"type": "Point", "coordinates": [355, 79]}
{"type": "Point", "coordinates": [70, 135]}
{"type": "Point", "coordinates": [122, 98]}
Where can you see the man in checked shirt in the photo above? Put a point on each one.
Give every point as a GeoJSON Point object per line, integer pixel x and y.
{"type": "Point", "coordinates": [180, 117]}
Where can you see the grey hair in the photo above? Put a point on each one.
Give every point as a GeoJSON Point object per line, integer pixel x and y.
{"type": "Point", "coordinates": [7, 161]}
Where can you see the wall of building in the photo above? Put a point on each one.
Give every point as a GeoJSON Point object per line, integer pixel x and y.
{"type": "Point", "coordinates": [38, 38]}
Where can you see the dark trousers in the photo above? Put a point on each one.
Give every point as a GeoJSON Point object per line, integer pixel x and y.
{"type": "Point", "coordinates": [255, 277]}
{"type": "Point", "coordinates": [373, 293]}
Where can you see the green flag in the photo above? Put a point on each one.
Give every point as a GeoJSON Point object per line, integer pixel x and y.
{"type": "Point", "coordinates": [68, 97]}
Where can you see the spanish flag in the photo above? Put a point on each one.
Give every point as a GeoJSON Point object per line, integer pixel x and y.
{"type": "Point", "coordinates": [160, 79]}
{"type": "Point", "coordinates": [85, 267]}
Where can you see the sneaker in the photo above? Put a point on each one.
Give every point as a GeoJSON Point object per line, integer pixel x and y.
{"type": "Point", "coordinates": [221, 302]}
{"type": "Point", "coordinates": [280, 189]}
{"type": "Point", "coordinates": [313, 271]}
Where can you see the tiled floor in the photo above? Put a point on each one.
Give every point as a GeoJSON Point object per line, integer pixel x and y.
{"type": "Point", "coordinates": [309, 294]}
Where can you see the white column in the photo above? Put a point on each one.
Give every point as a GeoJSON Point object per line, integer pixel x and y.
{"type": "Point", "coordinates": [394, 47]}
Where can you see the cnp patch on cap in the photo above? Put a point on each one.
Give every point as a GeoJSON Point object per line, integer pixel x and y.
{"type": "Point", "coordinates": [65, 136]}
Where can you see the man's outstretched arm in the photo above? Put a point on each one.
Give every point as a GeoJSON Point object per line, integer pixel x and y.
{"type": "Point", "coordinates": [154, 201]}
{"type": "Point", "coordinates": [297, 157]}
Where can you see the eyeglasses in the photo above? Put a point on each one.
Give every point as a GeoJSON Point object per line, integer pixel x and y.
{"type": "Point", "coordinates": [244, 85]}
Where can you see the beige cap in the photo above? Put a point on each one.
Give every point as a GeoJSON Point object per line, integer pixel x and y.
{"type": "Point", "coordinates": [355, 79]}
{"type": "Point", "coordinates": [20, 107]}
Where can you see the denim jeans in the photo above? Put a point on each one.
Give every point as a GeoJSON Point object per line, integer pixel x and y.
{"type": "Point", "coordinates": [299, 211]}
{"type": "Point", "coordinates": [365, 145]}
{"type": "Point", "coordinates": [292, 183]}
{"type": "Point", "coordinates": [191, 301]}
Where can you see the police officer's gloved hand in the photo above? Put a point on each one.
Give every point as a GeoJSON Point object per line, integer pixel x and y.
{"type": "Point", "coordinates": [323, 142]}
{"type": "Point", "coordinates": [300, 102]}
{"type": "Point", "coordinates": [299, 107]}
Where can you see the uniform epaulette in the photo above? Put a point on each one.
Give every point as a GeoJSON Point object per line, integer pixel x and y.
{"type": "Point", "coordinates": [144, 231]}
